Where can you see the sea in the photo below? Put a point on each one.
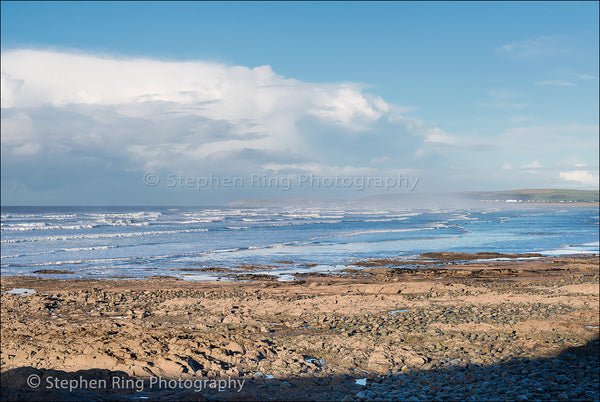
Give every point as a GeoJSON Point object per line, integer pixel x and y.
{"type": "Point", "coordinates": [137, 242]}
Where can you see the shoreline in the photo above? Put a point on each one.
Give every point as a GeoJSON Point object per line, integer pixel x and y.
{"type": "Point", "coordinates": [457, 324]}
{"type": "Point", "coordinates": [285, 271]}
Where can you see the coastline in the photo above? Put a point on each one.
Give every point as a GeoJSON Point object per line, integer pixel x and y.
{"type": "Point", "coordinates": [457, 324]}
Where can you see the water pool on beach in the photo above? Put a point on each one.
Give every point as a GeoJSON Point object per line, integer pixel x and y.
{"type": "Point", "coordinates": [102, 242]}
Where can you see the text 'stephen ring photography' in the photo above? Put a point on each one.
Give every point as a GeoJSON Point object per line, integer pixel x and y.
{"type": "Point", "coordinates": [320, 201]}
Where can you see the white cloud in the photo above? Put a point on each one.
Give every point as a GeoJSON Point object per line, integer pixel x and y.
{"type": "Point", "coordinates": [533, 48]}
{"type": "Point", "coordinates": [570, 162]}
{"type": "Point", "coordinates": [16, 129]}
{"type": "Point", "coordinates": [556, 83]}
{"type": "Point", "coordinates": [320, 169]}
{"type": "Point", "coordinates": [585, 76]}
{"type": "Point", "coordinates": [346, 106]}
{"type": "Point", "coordinates": [64, 109]}
{"type": "Point", "coordinates": [584, 177]}
{"type": "Point", "coordinates": [532, 165]}
{"type": "Point", "coordinates": [32, 78]}
{"type": "Point", "coordinates": [193, 116]}
{"type": "Point", "coordinates": [541, 149]}
{"type": "Point", "coordinates": [400, 110]}
{"type": "Point", "coordinates": [502, 99]}
{"type": "Point", "coordinates": [438, 136]}
{"type": "Point", "coordinates": [381, 159]}
{"type": "Point", "coordinates": [549, 143]}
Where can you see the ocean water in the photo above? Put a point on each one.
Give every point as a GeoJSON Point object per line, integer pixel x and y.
{"type": "Point", "coordinates": [103, 242]}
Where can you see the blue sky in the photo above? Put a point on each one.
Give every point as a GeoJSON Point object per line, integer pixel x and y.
{"type": "Point", "coordinates": [463, 96]}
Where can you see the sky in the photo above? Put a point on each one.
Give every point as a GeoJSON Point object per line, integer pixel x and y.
{"type": "Point", "coordinates": [135, 103]}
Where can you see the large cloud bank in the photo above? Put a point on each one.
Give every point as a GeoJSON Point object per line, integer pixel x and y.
{"type": "Point", "coordinates": [76, 113]}
{"type": "Point", "coordinates": [193, 115]}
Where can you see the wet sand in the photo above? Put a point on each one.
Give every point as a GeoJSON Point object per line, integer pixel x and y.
{"type": "Point", "coordinates": [438, 331]}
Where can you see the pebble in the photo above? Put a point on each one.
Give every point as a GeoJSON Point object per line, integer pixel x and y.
{"type": "Point", "coordinates": [518, 380]}
{"type": "Point", "coordinates": [460, 363]}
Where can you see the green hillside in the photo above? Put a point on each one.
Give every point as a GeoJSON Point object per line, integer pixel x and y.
{"type": "Point", "coordinates": [539, 195]}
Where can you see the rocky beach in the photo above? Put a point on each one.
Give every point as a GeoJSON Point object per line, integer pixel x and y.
{"type": "Point", "coordinates": [447, 326]}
